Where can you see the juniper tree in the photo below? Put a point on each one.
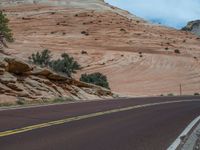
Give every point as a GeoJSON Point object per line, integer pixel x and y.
{"type": "Point", "coordinates": [5, 31]}
{"type": "Point", "coordinates": [66, 65]}
{"type": "Point", "coordinates": [41, 58]}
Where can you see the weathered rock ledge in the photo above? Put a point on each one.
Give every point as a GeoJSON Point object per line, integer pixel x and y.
{"type": "Point", "coordinates": [19, 79]}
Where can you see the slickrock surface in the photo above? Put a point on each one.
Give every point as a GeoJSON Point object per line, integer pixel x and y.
{"type": "Point", "coordinates": [139, 58]}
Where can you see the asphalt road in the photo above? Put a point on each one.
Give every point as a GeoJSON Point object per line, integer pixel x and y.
{"type": "Point", "coordinates": [144, 128]}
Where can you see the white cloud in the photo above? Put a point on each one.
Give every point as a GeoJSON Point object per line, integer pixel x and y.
{"type": "Point", "coordinates": [175, 13]}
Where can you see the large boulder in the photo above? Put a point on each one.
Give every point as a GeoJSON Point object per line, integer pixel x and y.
{"type": "Point", "coordinates": [17, 66]}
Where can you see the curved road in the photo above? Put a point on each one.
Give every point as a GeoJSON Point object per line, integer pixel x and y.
{"type": "Point", "coordinates": [123, 124]}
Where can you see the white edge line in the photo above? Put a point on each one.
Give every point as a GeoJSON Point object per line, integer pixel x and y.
{"type": "Point", "coordinates": [177, 142]}
{"type": "Point", "coordinates": [72, 102]}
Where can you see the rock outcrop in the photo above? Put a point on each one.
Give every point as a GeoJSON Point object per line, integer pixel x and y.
{"type": "Point", "coordinates": [18, 79]}
{"type": "Point", "coordinates": [137, 57]}
{"type": "Point", "coordinates": [193, 26]}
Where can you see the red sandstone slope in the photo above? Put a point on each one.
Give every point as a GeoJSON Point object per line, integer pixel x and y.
{"type": "Point", "coordinates": [137, 57]}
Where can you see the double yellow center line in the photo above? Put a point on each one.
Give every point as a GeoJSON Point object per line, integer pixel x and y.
{"type": "Point", "coordinates": [67, 120]}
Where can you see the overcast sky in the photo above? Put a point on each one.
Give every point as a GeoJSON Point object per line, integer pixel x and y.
{"type": "Point", "coordinates": [174, 13]}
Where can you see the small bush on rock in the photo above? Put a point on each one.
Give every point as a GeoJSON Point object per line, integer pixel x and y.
{"type": "Point", "coordinates": [177, 51]}
{"type": "Point", "coordinates": [95, 78]}
{"type": "Point", "coordinates": [170, 94]}
{"type": "Point", "coordinates": [84, 52]}
{"type": "Point", "coordinates": [66, 65]}
{"type": "Point", "coordinates": [41, 58]}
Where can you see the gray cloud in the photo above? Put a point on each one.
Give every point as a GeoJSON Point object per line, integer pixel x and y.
{"type": "Point", "coordinates": [174, 13]}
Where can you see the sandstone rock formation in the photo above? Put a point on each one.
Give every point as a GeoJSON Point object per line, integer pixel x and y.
{"type": "Point", "coordinates": [20, 80]}
{"type": "Point", "coordinates": [138, 57]}
{"type": "Point", "coordinates": [193, 26]}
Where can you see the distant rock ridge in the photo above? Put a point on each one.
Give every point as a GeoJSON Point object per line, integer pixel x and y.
{"type": "Point", "coordinates": [193, 26]}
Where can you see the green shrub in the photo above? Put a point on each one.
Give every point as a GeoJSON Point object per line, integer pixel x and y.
{"type": "Point", "coordinates": [5, 31]}
{"type": "Point", "coordinates": [58, 100]}
{"type": "Point", "coordinates": [61, 100]}
{"type": "Point", "coordinates": [20, 101]}
{"type": "Point", "coordinates": [95, 78]}
{"type": "Point", "coordinates": [177, 51]}
{"type": "Point", "coordinates": [196, 94]}
{"type": "Point", "coordinates": [84, 52]}
{"type": "Point", "coordinates": [170, 94]}
{"type": "Point", "coordinates": [41, 58]}
{"type": "Point", "coordinates": [66, 65]}
{"type": "Point", "coordinates": [6, 104]}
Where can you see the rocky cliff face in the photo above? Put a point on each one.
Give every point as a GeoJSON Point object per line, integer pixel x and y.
{"type": "Point", "coordinates": [19, 80]}
{"type": "Point", "coordinates": [193, 26]}
{"type": "Point", "coordinates": [138, 58]}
